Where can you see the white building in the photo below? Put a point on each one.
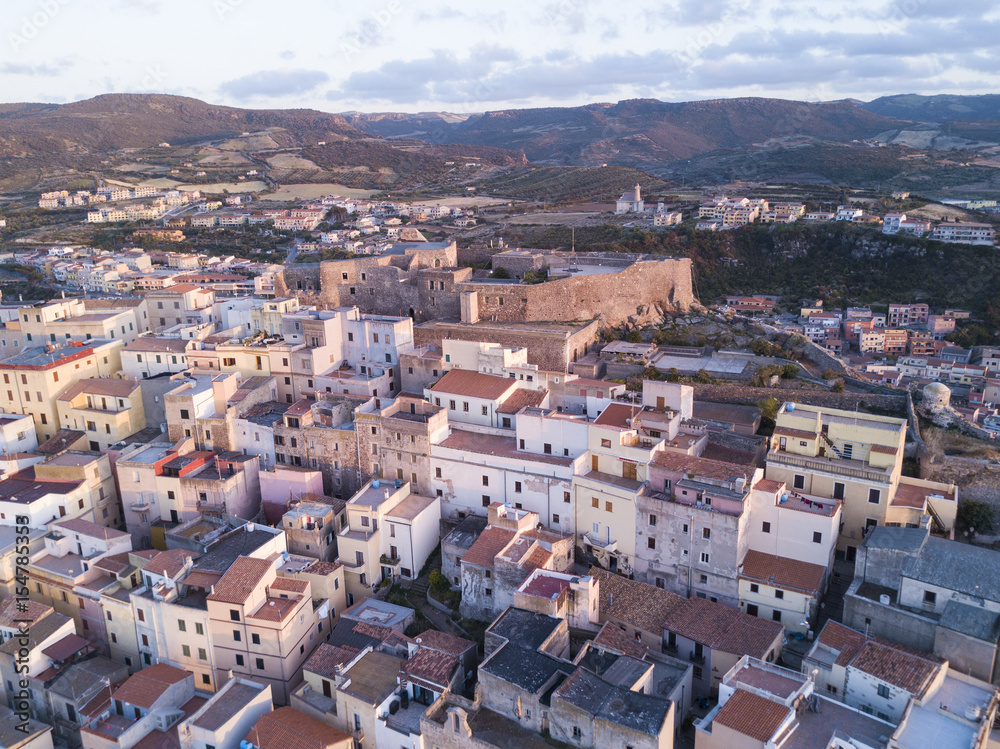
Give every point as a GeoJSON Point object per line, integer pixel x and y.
{"type": "Point", "coordinates": [631, 202]}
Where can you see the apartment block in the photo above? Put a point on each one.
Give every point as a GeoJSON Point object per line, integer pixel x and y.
{"type": "Point", "coordinates": [109, 411]}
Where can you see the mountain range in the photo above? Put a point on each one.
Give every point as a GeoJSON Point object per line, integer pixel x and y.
{"type": "Point", "coordinates": [716, 139]}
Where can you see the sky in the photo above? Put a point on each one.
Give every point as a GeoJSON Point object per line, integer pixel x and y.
{"type": "Point", "coordinates": [438, 55]}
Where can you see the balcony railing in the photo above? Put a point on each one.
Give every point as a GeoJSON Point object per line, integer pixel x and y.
{"type": "Point", "coordinates": [699, 659]}
{"type": "Point", "coordinates": [824, 464]}
{"type": "Point", "coordinates": [605, 544]}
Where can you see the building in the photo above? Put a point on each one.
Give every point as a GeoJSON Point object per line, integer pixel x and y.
{"type": "Point", "coordinates": [824, 454]}
{"type": "Point", "coordinates": [109, 411]}
{"type": "Point", "coordinates": [907, 314]}
{"type": "Point", "coordinates": [287, 727]}
{"type": "Point", "coordinates": [229, 715]}
{"type": "Point", "coordinates": [929, 593]}
{"type": "Point", "coordinates": [964, 233]}
{"type": "Point", "coordinates": [631, 202]}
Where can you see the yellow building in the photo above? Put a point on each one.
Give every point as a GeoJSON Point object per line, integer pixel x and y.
{"type": "Point", "coordinates": [109, 411]}
{"type": "Point", "coordinates": [33, 379]}
{"type": "Point", "coordinates": [857, 458]}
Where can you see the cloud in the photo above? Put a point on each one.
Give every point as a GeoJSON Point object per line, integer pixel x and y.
{"type": "Point", "coordinates": [288, 54]}
{"type": "Point", "coordinates": [12, 68]}
{"type": "Point", "coordinates": [273, 84]}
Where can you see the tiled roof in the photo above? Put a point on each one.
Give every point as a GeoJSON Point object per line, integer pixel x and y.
{"type": "Point", "coordinates": [11, 615]}
{"type": "Point", "coordinates": [890, 664]}
{"type": "Point", "coordinates": [87, 528]}
{"type": "Point", "coordinates": [644, 607]}
{"type": "Point", "coordinates": [431, 666]}
{"type": "Point", "coordinates": [796, 433]}
{"type": "Point", "coordinates": [326, 658]}
{"type": "Point", "coordinates": [444, 642]}
{"type": "Point", "coordinates": [522, 398]}
{"type": "Point", "coordinates": [169, 563]}
{"type": "Point", "coordinates": [613, 637]}
{"type": "Point", "coordinates": [287, 727]}
{"type": "Point", "coordinates": [144, 688]}
{"type": "Point", "coordinates": [618, 415]}
{"type": "Point", "coordinates": [114, 563]}
{"type": "Point", "coordinates": [289, 584]}
{"type": "Point", "coordinates": [240, 580]}
{"type": "Point", "coordinates": [751, 636]}
{"type": "Point", "coordinates": [713, 469]}
{"type": "Point", "coordinates": [490, 543]}
{"type": "Point", "coordinates": [108, 387]}
{"type": "Point", "coordinates": [472, 384]}
{"type": "Point", "coordinates": [751, 715]}
{"type": "Point", "coordinates": [769, 485]}
{"type": "Point", "coordinates": [782, 572]}
{"type": "Point", "coordinates": [322, 568]}
{"type": "Point", "coordinates": [701, 620]}
{"type": "Point", "coordinates": [202, 578]}
{"type": "Point", "coordinates": [838, 637]}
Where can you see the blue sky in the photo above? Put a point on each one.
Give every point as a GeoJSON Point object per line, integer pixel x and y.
{"type": "Point", "coordinates": [390, 55]}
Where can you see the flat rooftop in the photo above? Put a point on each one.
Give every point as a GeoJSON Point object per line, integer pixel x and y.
{"type": "Point", "coordinates": [930, 725]}
{"type": "Point", "coordinates": [498, 446]}
{"type": "Point", "coordinates": [410, 507]}
{"type": "Point", "coordinates": [150, 454]}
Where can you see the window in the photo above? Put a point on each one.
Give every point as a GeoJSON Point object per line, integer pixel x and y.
{"type": "Point", "coordinates": [704, 557]}
{"type": "Point", "coordinates": [754, 588]}
{"type": "Point", "coordinates": [930, 598]}
{"type": "Point", "coordinates": [752, 609]}
{"type": "Point", "coordinates": [465, 406]}
{"type": "Point", "coordinates": [605, 443]}
{"type": "Point", "coordinates": [577, 733]}
{"type": "Point", "coordinates": [142, 615]}
{"type": "Point", "coordinates": [437, 473]}
{"type": "Point", "coordinates": [779, 594]}
{"type": "Point", "coordinates": [765, 527]}
{"type": "Point", "coordinates": [451, 405]}
{"type": "Point", "coordinates": [486, 500]}
{"type": "Point", "coordinates": [486, 480]}
{"type": "Point", "coordinates": [684, 528]}
{"type": "Point", "coordinates": [260, 664]}
{"type": "Point", "coordinates": [817, 537]}
{"type": "Point", "coordinates": [566, 497]}
{"type": "Point", "coordinates": [199, 629]}
{"type": "Point", "coordinates": [239, 659]}
{"type": "Point", "coordinates": [186, 651]}
{"type": "Point", "coordinates": [650, 543]}
{"type": "Point", "coordinates": [234, 615]}
{"type": "Point", "coordinates": [799, 482]}
{"type": "Point", "coordinates": [184, 413]}
{"type": "Point", "coordinates": [555, 520]}
{"type": "Point", "coordinates": [181, 624]}
{"type": "Point", "coordinates": [883, 691]}
{"type": "Point", "coordinates": [838, 490]}
{"type": "Point", "coordinates": [237, 637]}
{"type": "Point", "coordinates": [608, 507]}
{"type": "Point", "coordinates": [776, 616]}
{"type": "Point", "coordinates": [706, 533]}
{"type": "Point", "coordinates": [547, 448]}
{"type": "Point", "coordinates": [874, 496]}
{"type": "Point", "coordinates": [202, 654]}
{"type": "Point", "coordinates": [652, 520]}
{"type": "Point", "coordinates": [517, 487]}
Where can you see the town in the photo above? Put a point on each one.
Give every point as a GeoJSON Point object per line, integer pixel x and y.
{"type": "Point", "coordinates": [390, 499]}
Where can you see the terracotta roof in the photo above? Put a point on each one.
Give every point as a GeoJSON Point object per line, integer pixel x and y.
{"type": "Point", "coordinates": [87, 528]}
{"type": "Point", "coordinates": [490, 543]}
{"type": "Point", "coordinates": [884, 449]}
{"type": "Point", "coordinates": [797, 433]}
{"type": "Point", "coordinates": [290, 584]}
{"type": "Point", "coordinates": [713, 469]}
{"type": "Point", "coordinates": [144, 688]}
{"type": "Point", "coordinates": [751, 636]}
{"type": "Point", "coordinates": [169, 563]}
{"type": "Point", "coordinates": [783, 572]}
{"type": "Point", "coordinates": [522, 398]}
{"type": "Point", "coordinates": [472, 384]}
{"type": "Point", "coordinates": [751, 715]}
{"type": "Point", "coordinates": [701, 620]}
{"type": "Point", "coordinates": [240, 580]}
{"type": "Point", "coordinates": [202, 578]}
{"type": "Point", "coordinates": [287, 727]}
{"type": "Point", "coordinates": [322, 568]}
{"type": "Point", "coordinates": [613, 637]}
{"type": "Point", "coordinates": [769, 485]}
{"type": "Point", "coordinates": [66, 647]}
{"type": "Point", "coordinates": [114, 563]}
{"type": "Point", "coordinates": [11, 615]}
{"type": "Point", "coordinates": [431, 666]}
{"type": "Point", "coordinates": [108, 387]}
{"type": "Point", "coordinates": [642, 606]}
{"type": "Point", "coordinates": [838, 637]}
{"type": "Point", "coordinates": [179, 288]}
{"type": "Point", "coordinates": [383, 634]}
{"type": "Point", "coordinates": [62, 440]}
{"type": "Point", "coordinates": [617, 414]}
{"type": "Point", "coordinates": [326, 658]}
{"type": "Point", "coordinates": [444, 642]}
{"type": "Point", "coordinates": [890, 664]}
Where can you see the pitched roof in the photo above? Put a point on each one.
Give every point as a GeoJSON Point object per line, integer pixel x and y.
{"type": "Point", "coordinates": [522, 398]}
{"type": "Point", "coordinates": [144, 688]}
{"type": "Point", "coordinates": [151, 343]}
{"type": "Point", "coordinates": [613, 637]}
{"type": "Point", "coordinates": [287, 727]}
{"type": "Point", "coordinates": [703, 467]}
{"type": "Point", "coordinates": [87, 528]}
{"type": "Point", "coordinates": [169, 563]}
{"type": "Point", "coordinates": [490, 543]}
{"type": "Point", "coordinates": [838, 637]}
{"type": "Point", "coordinates": [12, 613]}
{"type": "Point", "coordinates": [444, 642]}
{"type": "Point", "coordinates": [108, 387]}
{"type": "Point", "coordinates": [701, 620]}
{"type": "Point", "coordinates": [751, 636]}
{"type": "Point", "coordinates": [898, 667]}
{"type": "Point", "coordinates": [783, 572]}
{"type": "Point", "coordinates": [431, 666]}
{"type": "Point", "coordinates": [618, 415]}
{"type": "Point", "coordinates": [240, 580]}
{"type": "Point", "coordinates": [751, 715]}
{"type": "Point", "coordinates": [326, 658]}
{"type": "Point", "coordinates": [639, 605]}
{"type": "Point", "coordinates": [472, 384]}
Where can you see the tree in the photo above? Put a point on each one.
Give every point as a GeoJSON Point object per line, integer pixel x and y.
{"type": "Point", "coordinates": [838, 386]}
{"type": "Point", "coordinates": [703, 377]}
{"type": "Point", "coordinates": [634, 336]}
{"type": "Point", "coordinates": [673, 375]}
{"type": "Point", "coordinates": [789, 371]}
{"type": "Point", "coordinates": [769, 407]}
{"type": "Point", "coordinates": [975, 516]}
{"type": "Point", "coordinates": [500, 273]}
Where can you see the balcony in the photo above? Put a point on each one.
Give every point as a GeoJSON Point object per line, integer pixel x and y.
{"type": "Point", "coordinates": [595, 541]}
{"type": "Point", "coordinates": [697, 659]}
{"type": "Point", "coordinates": [141, 505]}
{"type": "Point", "coordinates": [841, 467]}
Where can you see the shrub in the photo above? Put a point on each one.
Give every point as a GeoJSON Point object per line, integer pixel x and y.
{"type": "Point", "coordinates": [500, 273]}
{"type": "Point", "coordinates": [438, 581]}
{"type": "Point", "coordinates": [838, 386]}
{"type": "Point", "coordinates": [789, 371]}
{"type": "Point", "coordinates": [976, 516]}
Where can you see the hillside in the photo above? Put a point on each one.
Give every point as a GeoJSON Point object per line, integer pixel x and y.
{"type": "Point", "coordinates": [638, 132]}
{"type": "Point", "coordinates": [940, 108]}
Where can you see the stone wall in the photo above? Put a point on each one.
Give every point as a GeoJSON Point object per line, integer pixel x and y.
{"type": "Point", "coordinates": [848, 401]}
